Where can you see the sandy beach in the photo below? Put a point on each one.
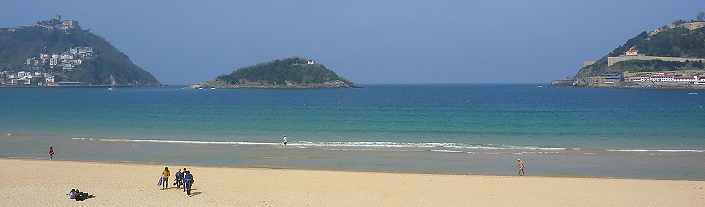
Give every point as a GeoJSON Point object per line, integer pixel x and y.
{"type": "Point", "coordinates": [45, 183]}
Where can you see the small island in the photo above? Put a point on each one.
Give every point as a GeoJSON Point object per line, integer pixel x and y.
{"type": "Point", "coordinates": [293, 72]}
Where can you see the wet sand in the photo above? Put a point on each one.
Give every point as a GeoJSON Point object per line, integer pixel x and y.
{"type": "Point", "coordinates": [45, 183]}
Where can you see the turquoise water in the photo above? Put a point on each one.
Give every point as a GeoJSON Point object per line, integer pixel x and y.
{"type": "Point", "coordinates": [471, 114]}
{"type": "Point", "coordinates": [439, 118]}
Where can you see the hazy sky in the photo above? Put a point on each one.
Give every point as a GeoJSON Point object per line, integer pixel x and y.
{"type": "Point", "coordinates": [367, 41]}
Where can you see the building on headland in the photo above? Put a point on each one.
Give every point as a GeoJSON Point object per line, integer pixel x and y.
{"type": "Point", "coordinates": [26, 78]}
{"type": "Point", "coordinates": [686, 76]}
{"type": "Point", "coordinates": [56, 23]}
{"type": "Point", "coordinates": [606, 79]}
{"type": "Point", "coordinates": [50, 80]}
{"type": "Point", "coordinates": [670, 79]}
{"type": "Point", "coordinates": [691, 25]}
{"type": "Point", "coordinates": [681, 79]}
{"type": "Point", "coordinates": [68, 25]}
{"type": "Point", "coordinates": [54, 60]}
{"type": "Point", "coordinates": [633, 54]}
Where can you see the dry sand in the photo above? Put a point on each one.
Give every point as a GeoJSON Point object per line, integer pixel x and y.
{"type": "Point", "coordinates": [45, 183]}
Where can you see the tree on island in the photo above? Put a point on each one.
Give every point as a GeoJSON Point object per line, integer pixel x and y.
{"type": "Point", "coordinates": [700, 16]}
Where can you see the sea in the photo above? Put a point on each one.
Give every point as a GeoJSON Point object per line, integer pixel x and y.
{"type": "Point", "coordinates": [442, 128]}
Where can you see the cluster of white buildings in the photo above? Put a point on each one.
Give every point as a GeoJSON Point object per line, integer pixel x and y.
{"type": "Point", "coordinates": [66, 61]}
{"type": "Point", "coordinates": [664, 77]}
{"type": "Point", "coordinates": [23, 78]}
{"type": "Point", "coordinates": [41, 69]}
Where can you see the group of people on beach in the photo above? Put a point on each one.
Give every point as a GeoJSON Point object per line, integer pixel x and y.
{"type": "Point", "coordinates": [182, 180]}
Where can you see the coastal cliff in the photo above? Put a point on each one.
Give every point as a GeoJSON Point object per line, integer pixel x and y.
{"type": "Point", "coordinates": [293, 72]}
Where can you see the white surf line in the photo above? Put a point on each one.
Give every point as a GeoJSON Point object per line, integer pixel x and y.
{"type": "Point", "coordinates": [441, 145]}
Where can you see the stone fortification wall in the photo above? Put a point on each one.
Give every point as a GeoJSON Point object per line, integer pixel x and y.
{"type": "Point", "coordinates": [613, 60]}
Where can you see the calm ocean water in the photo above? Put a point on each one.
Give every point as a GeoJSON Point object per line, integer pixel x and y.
{"type": "Point", "coordinates": [394, 120]}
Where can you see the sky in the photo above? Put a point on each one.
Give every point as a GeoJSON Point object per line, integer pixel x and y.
{"type": "Point", "coordinates": [365, 41]}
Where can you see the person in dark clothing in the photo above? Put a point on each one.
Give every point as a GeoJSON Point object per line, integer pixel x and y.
{"type": "Point", "coordinates": [178, 178]}
{"type": "Point", "coordinates": [73, 194]}
{"type": "Point", "coordinates": [51, 152]}
{"type": "Point", "coordinates": [77, 195]}
{"type": "Point", "coordinates": [183, 174]}
{"type": "Point", "coordinates": [188, 182]}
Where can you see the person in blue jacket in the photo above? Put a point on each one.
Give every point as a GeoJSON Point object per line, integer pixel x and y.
{"type": "Point", "coordinates": [179, 179]}
{"type": "Point", "coordinates": [188, 182]}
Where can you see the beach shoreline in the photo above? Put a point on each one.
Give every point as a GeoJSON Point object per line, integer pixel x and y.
{"type": "Point", "coordinates": [327, 169]}
{"type": "Point", "coordinates": [134, 184]}
{"type": "Point", "coordinates": [568, 162]}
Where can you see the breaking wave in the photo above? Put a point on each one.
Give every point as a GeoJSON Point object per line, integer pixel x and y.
{"type": "Point", "coordinates": [428, 146]}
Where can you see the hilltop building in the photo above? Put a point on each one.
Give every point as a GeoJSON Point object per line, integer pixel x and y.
{"type": "Point", "coordinates": [56, 23]}
{"type": "Point", "coordinates": [692, 25]}
{"type": "Point", "coordinates": [632, 52]}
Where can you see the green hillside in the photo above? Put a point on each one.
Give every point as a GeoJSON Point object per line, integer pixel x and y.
{"type": "Point", "coordinates": [674, 40]}
{"type": "Point", "coordinates": [18, 44]}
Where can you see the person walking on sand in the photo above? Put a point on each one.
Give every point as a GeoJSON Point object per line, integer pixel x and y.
{"type": "Point", "coordinates": [188, 182]}
{"type": "Point", "coordinates": [284, 141]}
{"type": "Point", "coordinates": [178, 178]}
{"type": "Point", "coordinates": [520, 167]}
{"type": "Point", "coordinates": [165, 178]}
{"type": "Point", "coordinates": [51, 152]}
{"type": "Point", "coordinates": [183, 175]}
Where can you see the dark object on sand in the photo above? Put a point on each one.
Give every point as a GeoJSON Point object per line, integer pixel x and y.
{"type": "Point", "coordinates": [77, 195]}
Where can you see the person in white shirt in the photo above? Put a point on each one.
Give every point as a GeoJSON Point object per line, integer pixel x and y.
{"type": "Point", "coordinates": [284, 141]}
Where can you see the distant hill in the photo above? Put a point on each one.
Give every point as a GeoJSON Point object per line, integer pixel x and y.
{"type": "Point", "coordinates": [30, 48]}
{"type": "Point", "coordinates": [681, 39]}
{"type": "Point", "coordinates": [294, 72]}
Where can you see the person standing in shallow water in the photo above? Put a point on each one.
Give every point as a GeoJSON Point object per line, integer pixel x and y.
{"type": "Point", "coordinates": [51, 152]}
{"type": "Point", "coordinates": [284, 141]}
{"type": "Point", "coordinates": [165, 178]}
{"type": "Point", "coordinates": [520, 167]}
